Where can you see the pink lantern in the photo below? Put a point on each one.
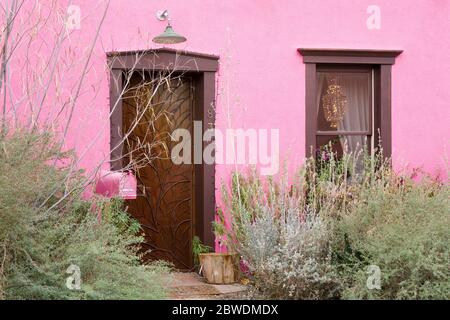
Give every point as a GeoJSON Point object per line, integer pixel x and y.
{"type": "Point", "coordinates": [121, 184]}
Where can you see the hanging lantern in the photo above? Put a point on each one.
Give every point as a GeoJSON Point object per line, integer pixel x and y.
{"type": "Point", "coordinates": [334, 104]}
{"type": "Point", "coordinates": [169, 36]}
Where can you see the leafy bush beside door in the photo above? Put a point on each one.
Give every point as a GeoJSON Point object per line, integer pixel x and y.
{"type": "Point", "coordinates": [45, 226]}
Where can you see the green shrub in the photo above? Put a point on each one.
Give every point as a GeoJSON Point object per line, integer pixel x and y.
{"type": "Point", "coordinates": [316, 236]}
{"type": "Point", "coordinates": [45, 226]}
{"type": "Point", "coordinates": [402, 227]}
{"type": "Point", "coordinates": [198, 248]}
{"type": "Point", "coordinates": [384, 218]}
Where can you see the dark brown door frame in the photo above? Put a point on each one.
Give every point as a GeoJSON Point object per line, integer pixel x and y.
{"type": "Point", "coordinates": [380, 60]}
{"type": "Point", "coordinates": [202, 68]}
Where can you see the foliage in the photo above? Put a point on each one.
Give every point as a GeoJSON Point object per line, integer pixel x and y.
{"type": "Point", "coordinates": [197, 248]}
{"type": "Point", "coordinates": [219, 229]}
{"type": "Point", "coordinates": [316, 235]}
{"type": "Point", "coordinates": [45, 226]}
{"type": "Point", "coordinates": [403, 228]}
{"type": "Point", "coordinates": [113, 212]}
{"type": "Point", "coordinates": [285, 250]}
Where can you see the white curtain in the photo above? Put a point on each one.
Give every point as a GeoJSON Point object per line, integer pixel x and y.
{"type": "Point", "coordinates": [355, 87]}
{"type": "Point", "coordinates": [356, 118]}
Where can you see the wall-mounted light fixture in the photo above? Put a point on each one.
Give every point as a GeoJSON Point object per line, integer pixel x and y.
{"type": "Point", "coordinates": [168, 36]}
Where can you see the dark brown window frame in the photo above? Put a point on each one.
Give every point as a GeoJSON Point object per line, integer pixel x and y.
{"type": "Point", "coordinates": [202, 67]}
{"type": "Point", "coordinates": [380, 60]}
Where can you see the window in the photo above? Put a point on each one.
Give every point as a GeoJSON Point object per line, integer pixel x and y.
{"type": "Point", "coordinates": [345, 108]}
{"type": "Point", "coordinates": [348, 99]}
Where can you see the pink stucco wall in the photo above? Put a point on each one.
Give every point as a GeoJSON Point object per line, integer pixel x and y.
{"type": "Point", "coordinates": [261, 78]}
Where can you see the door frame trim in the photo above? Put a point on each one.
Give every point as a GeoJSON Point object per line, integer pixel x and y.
{"type": "Point", "coordinates": [203, 68]}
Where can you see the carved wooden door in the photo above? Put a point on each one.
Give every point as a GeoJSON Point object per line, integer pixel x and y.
{"type": "Point", "coordinates": [152, 110]}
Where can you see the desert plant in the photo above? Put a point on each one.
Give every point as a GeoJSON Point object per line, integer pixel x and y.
{"type": "Point", "coordinates": [40, 184]}
{"type": "Point", "coordinates": [112, 211]}
{"type": "Point", "coordinates": [197, 248]}
{"type": "Point", "coordinates": [40, 237]}
{"type": "Point", "coordinates": [220, 230]}
{"type": "Point", "coordinates": [284, 248]}
{"type": "Point", "coordinates": [400, 226]}
{"type": "Point", "coordinates": [316, 236]}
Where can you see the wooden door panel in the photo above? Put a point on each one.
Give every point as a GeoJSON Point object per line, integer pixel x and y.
{"type": "Point", "coordinates": [164, 205]}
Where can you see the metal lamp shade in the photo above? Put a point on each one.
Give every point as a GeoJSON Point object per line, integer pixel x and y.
{"type": "Point", "coordinates": [169, 36]}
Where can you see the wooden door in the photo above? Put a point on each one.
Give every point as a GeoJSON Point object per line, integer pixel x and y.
{"type": "Point", "coordinates": [164, 205]}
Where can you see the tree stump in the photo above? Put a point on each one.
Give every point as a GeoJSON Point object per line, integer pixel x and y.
{"type": "Point", "coordinates": [220, 268]}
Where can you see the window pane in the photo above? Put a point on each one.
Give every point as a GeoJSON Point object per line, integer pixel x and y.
{"type": "Point", "coordinates": [344, 101]}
